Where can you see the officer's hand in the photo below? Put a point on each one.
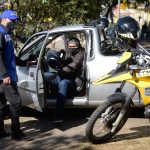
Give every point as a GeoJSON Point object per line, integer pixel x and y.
{"type": "Point", "coordinates": [6, 80]}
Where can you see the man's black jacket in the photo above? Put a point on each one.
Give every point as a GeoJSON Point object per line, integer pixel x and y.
{"type": "Point", "coordinates": [72, 65]}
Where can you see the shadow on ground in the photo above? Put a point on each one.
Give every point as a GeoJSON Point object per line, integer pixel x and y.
{"type": "Point", "coordinates": [136, 132]}
{"type": "Point", "coordinates": [139, 132]}
{"type": "Point", "coordinates": [70, 135]}
{"type": "Point", "coordinates": [46, 134]}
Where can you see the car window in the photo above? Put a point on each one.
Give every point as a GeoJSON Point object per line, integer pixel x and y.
{"type": "Point", "coordinates": [106, 44]}
{"type": "Point", "coordinates": [33, 47]}
{"type": "Point", "coordinates": [59, 42]}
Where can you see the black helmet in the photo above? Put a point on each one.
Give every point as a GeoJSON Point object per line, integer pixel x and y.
{"type": "Point", "coordinates": [55, 58]}
{"type": "Point", "coordinates": [104, 22]}
{"type": "Point", "coordinates": [127, 27]}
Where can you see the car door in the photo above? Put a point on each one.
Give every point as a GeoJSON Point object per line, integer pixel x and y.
{"type": "Point", "coordinates": [30, 77]}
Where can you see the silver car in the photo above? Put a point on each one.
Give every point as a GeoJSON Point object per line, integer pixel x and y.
{"type": "Point", "coordinates": [31, 82]}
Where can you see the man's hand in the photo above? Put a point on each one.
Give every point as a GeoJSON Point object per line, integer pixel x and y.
{"type": "Point", "coordinates": [6, 81]}
{"type": "Point", "coordinates": [30, 63]}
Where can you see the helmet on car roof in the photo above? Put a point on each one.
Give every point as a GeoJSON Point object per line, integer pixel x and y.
{"type": "Point", "coordinates": [127, 27]}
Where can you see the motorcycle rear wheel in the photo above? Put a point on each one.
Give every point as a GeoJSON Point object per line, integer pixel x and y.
{"type": "Point", "coordinates": [105, 115]}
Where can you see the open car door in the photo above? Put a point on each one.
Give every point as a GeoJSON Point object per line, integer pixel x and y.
{"type": "Point", "coordinates": [30, 82]}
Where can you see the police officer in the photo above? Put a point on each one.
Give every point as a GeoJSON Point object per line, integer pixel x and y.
{"type": "Point", "coordinates": [8, 76]}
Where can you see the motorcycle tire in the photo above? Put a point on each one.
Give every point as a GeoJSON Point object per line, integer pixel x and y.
{"type": "Point", "coordinates": [107, 123]}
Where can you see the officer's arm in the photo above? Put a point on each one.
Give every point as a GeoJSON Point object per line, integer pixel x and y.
{"type": "Point", "coordinates": [3, 71]}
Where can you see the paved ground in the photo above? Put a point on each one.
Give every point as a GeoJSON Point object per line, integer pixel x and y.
{"type": "Point", "coordinates": [135, 135]}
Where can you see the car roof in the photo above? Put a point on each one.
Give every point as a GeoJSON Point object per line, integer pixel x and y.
{"type": "Point", "coordinates": [76, 27]}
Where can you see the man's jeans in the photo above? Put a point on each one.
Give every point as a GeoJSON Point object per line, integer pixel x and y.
{"type": "Point", "coordinates": [65, 88]}
{"type": "Point", "coordinates": [10, 93]}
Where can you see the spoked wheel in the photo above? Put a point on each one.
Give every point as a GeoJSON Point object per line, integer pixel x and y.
{"type": "Point", "coordinates": [100, 123]}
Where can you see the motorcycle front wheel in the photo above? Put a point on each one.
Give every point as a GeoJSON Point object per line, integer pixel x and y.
{"type": "Point", "coordinates": [100, 123]}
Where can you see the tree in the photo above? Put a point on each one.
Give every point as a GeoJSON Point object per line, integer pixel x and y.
{"type": "Point", "coordinates": [40, 15]}
{"type": "Point", "coordinates": [37, 15]}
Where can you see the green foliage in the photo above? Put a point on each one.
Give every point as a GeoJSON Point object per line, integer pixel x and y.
{"type": "Point", "coordinates": [38, 15]}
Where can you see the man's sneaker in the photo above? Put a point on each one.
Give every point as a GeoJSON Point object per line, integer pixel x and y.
{"type": "Point", "coordinates": [3, 134]}
{"type": "Point", "coordinates": [19, 135]}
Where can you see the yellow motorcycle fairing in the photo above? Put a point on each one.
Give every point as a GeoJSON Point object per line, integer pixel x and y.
{"type": "Point", "coordinates": [141, 80]}
{"type": "Point", "coordinates": [143, 84]}
{"type": "Point", "coordinates": [109, 78]}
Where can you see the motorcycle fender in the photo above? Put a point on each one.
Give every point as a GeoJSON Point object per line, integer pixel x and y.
{"type": "Point", "coordinates": [117, 97]}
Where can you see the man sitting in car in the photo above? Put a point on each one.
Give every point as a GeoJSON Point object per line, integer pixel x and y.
{"type": "Point", "coordinates": [64, 82]}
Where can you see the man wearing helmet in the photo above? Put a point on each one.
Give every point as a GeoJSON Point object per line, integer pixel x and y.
{"type": "Point", "coordinates": [64, 82]}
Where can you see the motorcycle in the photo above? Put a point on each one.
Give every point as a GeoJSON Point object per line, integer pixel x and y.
{"type": "Point", "coordinates": [109, 117]}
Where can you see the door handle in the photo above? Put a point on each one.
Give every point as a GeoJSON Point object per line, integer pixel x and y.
{"type": "Point", "coordinates": [31, 74]}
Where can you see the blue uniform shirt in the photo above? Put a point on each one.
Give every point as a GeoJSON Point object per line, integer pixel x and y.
{"type": "Point", "coordinates": [9, 56]}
